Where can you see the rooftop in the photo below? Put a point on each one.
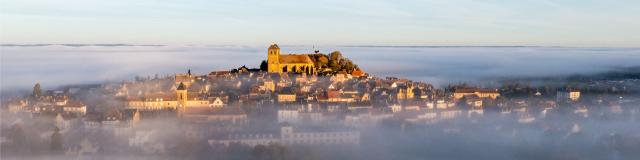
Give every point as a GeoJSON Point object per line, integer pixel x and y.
{"type": "Point", "coordinates": [295, 58]}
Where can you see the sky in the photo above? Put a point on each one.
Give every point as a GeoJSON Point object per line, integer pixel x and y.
{"type": "Point", "coordinates": [580, 23]}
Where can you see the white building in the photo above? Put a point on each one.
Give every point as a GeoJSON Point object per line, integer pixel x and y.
{"type": "Point", "coordinates": [439, 104]}
{"type": "Point", "coordinates": [288, 135]}
{"type": "Point", "coordinates": [287, 115]}
{"type": "Point", "coordinates": [300, 114]}
{"type": "Point", "coordinates": [217, 103]}
{"type": "Point", "coordinates": [75, 107]}
{"type": "Point", "coordinates": [567, 95]}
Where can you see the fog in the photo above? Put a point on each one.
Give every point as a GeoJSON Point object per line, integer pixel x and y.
{"type": "Point", "coordinates": [495, 136]}
{"type": "Point", "coordinates": [609, 129]}
{"type": "Point", "coordinates": [54, 65]}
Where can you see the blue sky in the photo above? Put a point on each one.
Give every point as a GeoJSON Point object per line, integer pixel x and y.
{"type": "Point", "coordinates": [598, 23]}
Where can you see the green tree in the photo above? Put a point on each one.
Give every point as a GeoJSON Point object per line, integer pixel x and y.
{"type": "Point", "coordinates": [322, 61]}
{"type": "Point", "coordinates": [335, 55]}
{"type": "Point", "coordinates": [348, 65]}
{"type": "Point", "coordinates": [37, 91]}
{"type": "Point", "coordinates": [335, 66]}
{"type": "Point", "coordinates": [264, 66]}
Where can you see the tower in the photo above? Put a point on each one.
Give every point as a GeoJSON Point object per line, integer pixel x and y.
{"type": "Point", "coordinates": [181, 97]}
{"type": "Point", "coordinates": [410, 93]}
{"type": "Point", "coordinates": [273, 59]}
{"type": "Point", "coordinates": [136, 118]}
{"type": "Point", "coordinates": [37, 91]}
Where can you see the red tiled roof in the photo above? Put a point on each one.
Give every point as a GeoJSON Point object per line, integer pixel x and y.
{"type": "Point", "coordinates": [476, 90]}
{"type": "Point", "coordinates": [181, 86]}
{"type": "Point", "coordinates": [152, 96]}
{"type": "Point", "coordinates": [74, 104]}
{"type": "Point", "coordinates": [214, 111]}
{"type": "Point", "coordinates": [294, 58]}
{"type": "Point", "coordinates": [357, 72]}
{"type": "Point", "coordinates": [217, 73]}
{"type": "Point", "coordinates": [333, 94]}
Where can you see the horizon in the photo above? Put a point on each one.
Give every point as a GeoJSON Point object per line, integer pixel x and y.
{"type": "Point", "coordinates": [285, 45]}
{"type": "Point", "coordinates": [444, 64]}
{"type": "Point", "coordinates": [315, 80]}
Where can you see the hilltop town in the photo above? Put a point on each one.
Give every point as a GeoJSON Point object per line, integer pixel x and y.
{"type": "Point", "coordinates": [292, 99]}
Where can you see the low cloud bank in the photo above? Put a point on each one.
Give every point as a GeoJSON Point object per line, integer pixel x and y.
{"type": "Point", "coordinates": [61, 64]}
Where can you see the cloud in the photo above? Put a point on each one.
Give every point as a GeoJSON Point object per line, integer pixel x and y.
{"type": "Point", "coordinates": [54, 65]}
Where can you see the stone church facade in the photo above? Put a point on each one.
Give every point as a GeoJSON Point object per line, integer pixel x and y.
{"type": "Point", "coordinates": [290, 63]}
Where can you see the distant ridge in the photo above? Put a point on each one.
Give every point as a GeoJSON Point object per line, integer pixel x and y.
{"type": "Point", "coordinates": [82, 45]}
{"type": "Point", "coordinates": [474, 46]}
{"type": "Point", "coordinates": [427, 46]}
{"type": "Point", "coordinates": [614, 74]}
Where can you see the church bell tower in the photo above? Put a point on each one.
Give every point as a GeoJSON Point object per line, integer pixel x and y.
{"type": "Point", "coordinates": [181, 97]}
{"type": "Point", "coordinates": [273, 59]}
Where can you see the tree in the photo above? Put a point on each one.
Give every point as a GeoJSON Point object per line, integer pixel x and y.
{"type": "Point", "coordinates": [348, 65]}
{"type": "Point", "coordinates": [322, 61]}
{"type": "Point", "coordinates": [319, 60]}
{"type": "Point", "coordinates": [56, 140]}
{"type": "Point", "coordinates": [335, 55]}
{"type": "Point", "coordinates": [264, 66]}
{"type": "Point", "coordinates": [37, 91]}
{"type": "Point", "coordinates": [334, 65]}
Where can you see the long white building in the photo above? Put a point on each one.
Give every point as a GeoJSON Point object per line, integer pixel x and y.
{"type": "Point", "coordinates": [287, 135]}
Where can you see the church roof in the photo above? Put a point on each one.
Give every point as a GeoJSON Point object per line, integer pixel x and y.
{"type": "Point", "coordinates": [152, 97]}
{"type": "Point", "coordinates": [472, 90]}
{"type": "Point", "coordinates": [74, 104]}
{"type": "Point", "coordinates": [295, 58]}
{"type": "Point", "coordinates": [357, 72]}
{"type": "Point", "coordinates": [181, 86]}
{"type": "Point", "coordinates": [274, 46]}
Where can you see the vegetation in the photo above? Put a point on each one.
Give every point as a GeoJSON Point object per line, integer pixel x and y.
{"type": "Point", "coordinates": [320, 60]}
{"type": "Point", "coordinates": [264, 66]}
{"type": "Point", "coordinates": [334, 61]}
{"type": "Point", "coordinates": [37, 91]}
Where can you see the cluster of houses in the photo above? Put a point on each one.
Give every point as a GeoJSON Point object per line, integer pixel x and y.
{"type": "Point", "coordinates": [221, 102]}
{"type": "Point", "coordinates": [213, 107]}
{"type": "Point", "coordinates": [53, 101]}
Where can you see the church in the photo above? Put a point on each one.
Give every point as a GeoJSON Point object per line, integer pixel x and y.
{"type": "Point", "coordinates": [160, 101]}
{"type": "Point", "coordinates": [290, 63]}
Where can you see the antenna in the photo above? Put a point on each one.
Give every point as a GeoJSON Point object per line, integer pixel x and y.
{"type": "Point", "coordinates": [315, 50]}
